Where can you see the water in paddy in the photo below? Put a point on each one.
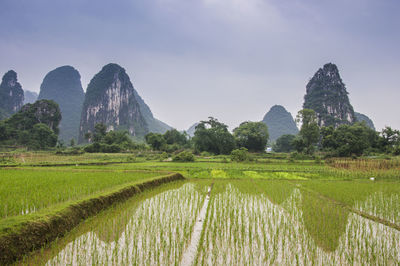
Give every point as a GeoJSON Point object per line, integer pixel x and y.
{"type": "Point", "coordinates": [247, 222]}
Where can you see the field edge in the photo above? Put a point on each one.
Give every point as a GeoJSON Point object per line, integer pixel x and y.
{"type": "Point", "coordinates": [27, 236]}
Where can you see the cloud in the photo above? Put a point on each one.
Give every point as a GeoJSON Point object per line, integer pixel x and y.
{"type": "Point", "coordinates": [246, 13]}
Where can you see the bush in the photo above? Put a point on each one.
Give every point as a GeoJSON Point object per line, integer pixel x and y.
{"type": "Point", "coordinates": [185, 156]}
{"type": "Point", "coordinates": [131, 159]}
{"type": "Point", "coordinates": [206, 154]}
{"type": "Point", "coordinates": [163, 156]}
{"type": "Point", "coordinates": [101, 147]}
{"type": "Point", "coordinates": [300, 156]}
{"type": "Point", "coordinates": [240, 155]}
{"type": "Point", "coordinates": [318, 160]}
{"type": "Point", "coordinates": [71, 151]}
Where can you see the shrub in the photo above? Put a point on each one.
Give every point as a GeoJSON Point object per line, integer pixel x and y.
{"type": "Point", "coordinates": [240, 155]}
{"type": "Point", "coordinates": [71, 151]}
{"type": "Point", "coordinates": [102, 147]}
{"type": "Point", "coordinates": [163, 156]}
{"type": "Point", "coordinates": [185, 156]}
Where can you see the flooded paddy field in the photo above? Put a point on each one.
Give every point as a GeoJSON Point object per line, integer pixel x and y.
{"type": "Point", "coordinates": [240, 222]}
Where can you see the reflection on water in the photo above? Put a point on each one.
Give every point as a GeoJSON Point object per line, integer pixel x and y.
{"type": "Point", "coordinates": [383, 205]}
{"type": "Point", "coordinates": [324, 220]}
{"type": "Point", "coordinates": [251, 229]}
{"type": "Point", "coordinates": [154, 233]}
{"type": "Point", "coordinates": [253, 222]}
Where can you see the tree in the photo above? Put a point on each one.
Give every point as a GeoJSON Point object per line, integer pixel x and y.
{"type": "Point", "coordinates": [347, 140]}
{"type": "Point", "coordinates": [42, 137]}
{"type": "Point", "coordinates": [213, 136]}
{"type": "Point", "coordinates": [32, 122]}
{"type": "Point", "coordinates": [309, 132]}
{"type": "Point", "coordinates": [155, 140]}
{"type": "Point", "coordinates": [100, 131]}
{"type": "Point", "coordinates": [284, 143]}
{"type": "Point", "coordinates": [389, 140]}
{"type": "Point", "coordinates": [173, 136]}
{"type": "Point", "coordinates": [109, 142]}
{"type": "Point", "coordinates": [252, 135]}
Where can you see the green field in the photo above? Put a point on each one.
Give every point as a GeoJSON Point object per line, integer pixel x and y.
{"type": "Point", "coordinates": [24, 191]}
{"type": "Point", "coordinates": [248, 222]}
{"type": "Point", "coordinates": [266, 212]}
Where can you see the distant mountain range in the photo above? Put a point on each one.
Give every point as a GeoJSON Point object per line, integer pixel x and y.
{"type": "Point", "coordinates": [112, 99]}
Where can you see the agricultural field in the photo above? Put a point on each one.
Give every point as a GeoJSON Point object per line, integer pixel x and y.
{"type": "Point", "coordinates": [266, 212]}
{"type": "Point", "coordinates": [28, 190]}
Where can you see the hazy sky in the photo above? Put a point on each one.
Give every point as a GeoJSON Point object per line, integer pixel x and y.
{"type": "Point", "coordinates": [231, 59]}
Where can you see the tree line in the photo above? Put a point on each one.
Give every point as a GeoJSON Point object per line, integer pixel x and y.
{"type": "Point", "coordinates": [36, 127]}
{"type": "Point", "coordinates": [344, 141]}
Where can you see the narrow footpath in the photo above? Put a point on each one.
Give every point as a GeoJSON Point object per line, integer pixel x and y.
{"type": "Point", "coordinates": [190, 253]}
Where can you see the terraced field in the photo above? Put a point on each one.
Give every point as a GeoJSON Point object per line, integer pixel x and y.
{"type": "Point", "coordinates": [260, 213]}
{"type": "Point", "coordinates": [253, 221]}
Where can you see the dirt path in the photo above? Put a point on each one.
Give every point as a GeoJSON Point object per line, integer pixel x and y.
{"type": "Point", "coordinates": [190, 253]}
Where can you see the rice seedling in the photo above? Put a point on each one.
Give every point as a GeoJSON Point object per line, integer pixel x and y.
{"type": "Point", "coordinates": [380, 199]}
{"type": "Point", "coordinates": [151, 229]}
{"type": "Point", "coordinates": [249, 228]}
{"type": "Point", "coordinates": [24, 191]}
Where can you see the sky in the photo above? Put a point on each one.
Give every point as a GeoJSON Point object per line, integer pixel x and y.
{"type": "Point", "coordinates": [230, 59]}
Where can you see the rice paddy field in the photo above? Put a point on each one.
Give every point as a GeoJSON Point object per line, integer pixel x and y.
{"type": "Point", "coordinates": [269, 212]}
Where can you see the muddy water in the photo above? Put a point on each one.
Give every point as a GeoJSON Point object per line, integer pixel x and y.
{"type": "Point", "coordinates": [241, 222]}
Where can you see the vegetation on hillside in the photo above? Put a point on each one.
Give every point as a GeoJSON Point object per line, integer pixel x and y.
{"type": "Point", "coordinates": [34, 126]}
{"type": "Point", "coordinates": [279, 122]}
{"type": "Point", "coordinates": [327, 96]}
{"type": "Point", "coordinates": [63, 85]}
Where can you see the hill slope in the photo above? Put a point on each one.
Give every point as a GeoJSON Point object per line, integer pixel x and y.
{"type": "Point", "coordinates": [63, 85]}
{"type": "Point", "coordinates": [327, 96]}
{"type": "Point", "coordinates": [279, 122]}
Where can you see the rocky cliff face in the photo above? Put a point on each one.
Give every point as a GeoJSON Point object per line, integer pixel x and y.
{"type": "Point", "coordinates": [279, 122]}
{"type": "Point", "coordinates": [154, 125]}
{"type": "Point", "coordinates": [11, 95]}
{"type": "Point", "coordinates": [364, 118]}
{"type": "Point", "coordinates": [328, 97]}
{"type": "Point", "coordinates": [63, 85]}
{"type": "Point", "coordinates": [30, 97]}
{"type": "Point", "coordinates": [110, 99]}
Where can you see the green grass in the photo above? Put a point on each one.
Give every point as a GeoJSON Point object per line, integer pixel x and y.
{"type": "Point", "coordinates": [29, 190]}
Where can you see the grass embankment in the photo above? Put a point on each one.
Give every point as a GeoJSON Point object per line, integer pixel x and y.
{"type": "Point", "coordinates": [22, 234]}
